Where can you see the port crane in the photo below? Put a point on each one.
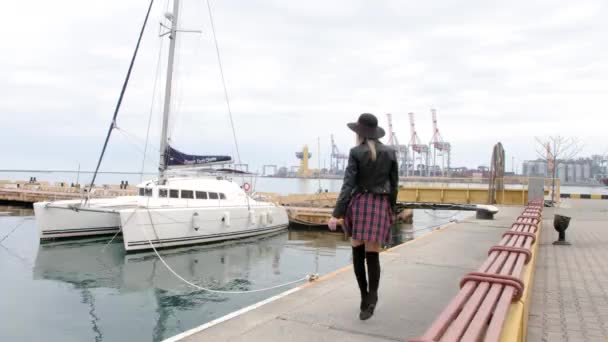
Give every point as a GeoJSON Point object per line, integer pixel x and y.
{"type": "Point", "coordinates": [439, 148]}
{"type": "Point", "coordinates": [420, 152]}
{"type": "Point", "coordinates": [401, 150]}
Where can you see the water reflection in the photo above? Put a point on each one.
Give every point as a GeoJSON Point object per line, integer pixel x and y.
{"type": "Point", "coordinates": [88, 289]}
{"type": "Point", "coordinates": [90, 264]}
{"type": "Point", "coordinates": [245, 265]}
{"type": "Point", "coordinates": [15, 210]}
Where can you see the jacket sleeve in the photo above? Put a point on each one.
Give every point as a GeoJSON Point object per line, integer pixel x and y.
{"type": "Point", "coordinates": [350, 179]}
{"type": "Point", "coordinates": [394, 180]}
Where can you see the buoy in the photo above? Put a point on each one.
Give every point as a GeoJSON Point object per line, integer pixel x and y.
{"type": "Point", "coordinates": [246, 186]}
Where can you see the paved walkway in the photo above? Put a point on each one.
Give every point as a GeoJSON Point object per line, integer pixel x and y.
{"type": "Point", "coordinates": [570, 296]}
{"type": "Point", "coordinates": [418, 280]}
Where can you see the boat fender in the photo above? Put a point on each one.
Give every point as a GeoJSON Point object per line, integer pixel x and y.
{"type": "Point", "coordinates": [269, 217]}
{"type": "Point", "coordinates": [252, 216]}
{"type": "Point", "coordinates": [226, 219]}
{"type": "Point", "coordinates": [196, 221]}
{"type": "Point", "coordinates": [263, 219]}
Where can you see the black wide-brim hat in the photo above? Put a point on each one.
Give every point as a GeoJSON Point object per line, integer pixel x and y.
{"type": "Point", "coordinates": [367, 126]}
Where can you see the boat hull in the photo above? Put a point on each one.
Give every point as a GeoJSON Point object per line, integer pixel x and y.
{"type": "Point", "coordinates": [64, 219]}
{"type": "Point", "coordinates": [171, 227]}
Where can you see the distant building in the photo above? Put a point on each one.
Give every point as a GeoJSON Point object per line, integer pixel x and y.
{"type": "Point", "coordinates": [535, 168]}
{"type": "Point", "coordinates": [568, 171]}
{"type": "Point", "coordinates": [282, 172]}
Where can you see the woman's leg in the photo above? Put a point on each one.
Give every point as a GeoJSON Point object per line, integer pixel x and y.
{"type": "Point", "coordinates": [373, 269]}
{"type": "Point", "coordinates": [359, 267]}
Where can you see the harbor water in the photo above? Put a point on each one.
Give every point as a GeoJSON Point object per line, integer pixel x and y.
{"type": "Point", "coordinates": [91, 290]}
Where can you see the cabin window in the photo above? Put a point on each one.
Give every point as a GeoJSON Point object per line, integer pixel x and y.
{"type": "Point", "coordinates": [174, 193]}
{"type": "Point", "coordinates": [201, 195]}
{"type": "Point", "coordinates": [222, 196]}
{"type": "Point", "coordinates": [148, 192]}
{"type": "Point", "coordinates": [162, 193]}
{"type": "Point", "coordinates": [187, 194]}
{"type": "Point", "coordinates": [141, 191]}
{"type": "Point", "coordinates": [213, 195]}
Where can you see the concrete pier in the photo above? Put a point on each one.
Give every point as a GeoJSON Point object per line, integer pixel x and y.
{"type": "Point", "coordinates": [570, 296]}
{"type": "Point", "coordinates": [28, 193]}
{"type": "Point", "coordinates": [418, 280]}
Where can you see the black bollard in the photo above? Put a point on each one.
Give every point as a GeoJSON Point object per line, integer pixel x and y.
{"type": "Point", "coordinates": [484, 214]}
{"type": "Point", "coordinates": [560, 223]}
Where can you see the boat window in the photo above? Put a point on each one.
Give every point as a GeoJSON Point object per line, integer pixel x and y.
{"type": "Point", "coordinates": [148, 192]}
{"type": "Point", "coordinates": [187, 194]}
{"type": "Point", "coordinates": [222, 196]}
{"type": "Point", "coordinates": [174, 193]}
{"type": "Point", "coordinates": [162, 192]}
{"type": "Point", "coordinates": [213, 195]}
{"type": "Point", "coordinates": [141, 191]}
{"type": "Point", "coordinates": [201, 195]}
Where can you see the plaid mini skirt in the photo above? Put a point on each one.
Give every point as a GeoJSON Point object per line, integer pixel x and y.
{"type": "Point", "coordinates": [369, 218]}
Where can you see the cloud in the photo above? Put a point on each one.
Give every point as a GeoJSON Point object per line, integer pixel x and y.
{"type": "Point", "coordinates": [298, 71]}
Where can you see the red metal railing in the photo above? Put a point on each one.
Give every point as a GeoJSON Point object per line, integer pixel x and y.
{"type": "Point", "coordinates": [479, 310]}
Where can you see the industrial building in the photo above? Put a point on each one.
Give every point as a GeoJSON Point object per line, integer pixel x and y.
{"type": "Point", "coordinates": [582, 170]}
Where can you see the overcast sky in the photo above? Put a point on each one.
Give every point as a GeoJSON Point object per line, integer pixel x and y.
{"type": "Point", "coordinates": [298, 70]}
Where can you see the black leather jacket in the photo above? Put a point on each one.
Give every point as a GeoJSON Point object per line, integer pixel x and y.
{"type": "Point", "coordinates": [364, 175]}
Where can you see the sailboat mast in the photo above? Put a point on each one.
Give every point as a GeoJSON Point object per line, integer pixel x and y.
{"type": "Point", "coordinates": [164, 143]}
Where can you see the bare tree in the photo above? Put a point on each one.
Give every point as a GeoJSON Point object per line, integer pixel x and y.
{"type": "Point", "coordinates": [555, 150]}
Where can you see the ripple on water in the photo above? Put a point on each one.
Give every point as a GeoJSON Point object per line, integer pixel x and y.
{"type": "Point", "coordinates": [86, 290]}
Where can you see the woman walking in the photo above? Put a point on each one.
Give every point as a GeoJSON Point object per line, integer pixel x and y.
{"type": "Point", "coordinates": [366, 202]}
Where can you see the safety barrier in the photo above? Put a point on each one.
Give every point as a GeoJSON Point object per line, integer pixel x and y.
{"type": "Point", "coordinates": [584, 196]}
{"type": "Point", "coordinates": [491, 304]}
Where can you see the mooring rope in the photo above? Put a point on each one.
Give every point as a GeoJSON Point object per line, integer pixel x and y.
{"type": "Point", "coordinates": [309, 277]}
{"type": "Point", "coordinates": [443, 217]}
{"type": "Point", "coordinates": [15, 228]}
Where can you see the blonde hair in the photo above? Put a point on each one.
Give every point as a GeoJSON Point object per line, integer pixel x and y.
{"type": "Point", "coordinates": [370, 143]}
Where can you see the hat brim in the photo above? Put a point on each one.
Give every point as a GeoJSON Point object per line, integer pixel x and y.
{"type": "Point", "coordinates": [373, 133]}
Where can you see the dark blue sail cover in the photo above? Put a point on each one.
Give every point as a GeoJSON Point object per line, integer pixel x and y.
{"type": "Point", "coordinates": [177, 158]}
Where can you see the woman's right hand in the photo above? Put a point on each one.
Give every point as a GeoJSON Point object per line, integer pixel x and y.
{"type": "Point", "coordinates": [332, 224]}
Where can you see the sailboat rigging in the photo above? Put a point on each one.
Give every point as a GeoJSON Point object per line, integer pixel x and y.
{"type": "Point", "coordinates": [174, 210]}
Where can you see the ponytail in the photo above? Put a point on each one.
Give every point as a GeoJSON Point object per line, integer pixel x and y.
{"type": "Point", "coordinates": [372, 147]}
{"type": "Point", "coordinates": [371, 143]}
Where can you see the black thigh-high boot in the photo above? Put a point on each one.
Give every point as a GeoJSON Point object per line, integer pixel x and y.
{"type": "Point", "coordinates": [359, 267]}
{"type": "Point", "coordinates": [373, 270]}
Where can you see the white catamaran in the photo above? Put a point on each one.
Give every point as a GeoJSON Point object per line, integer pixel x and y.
{"type": "Point", "coordinates": [171, 210]}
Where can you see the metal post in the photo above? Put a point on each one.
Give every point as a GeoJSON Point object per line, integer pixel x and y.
{"type": "Point", "coordinates": [78, 174]}
{"type": "Point", "coordinates": [319, 162]}
{"type": "Point", "coordinates": [167, 106]}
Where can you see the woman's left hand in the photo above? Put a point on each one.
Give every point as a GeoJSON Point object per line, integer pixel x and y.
{"type": "Point", "coordinates": [332, 224]}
